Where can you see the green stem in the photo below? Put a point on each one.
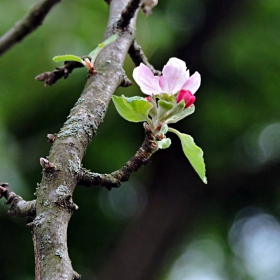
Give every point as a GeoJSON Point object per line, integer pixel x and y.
{"type": "Point", "coordinates": [173, 130]}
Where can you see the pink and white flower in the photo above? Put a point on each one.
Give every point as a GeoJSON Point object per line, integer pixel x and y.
{"type": "Point", "coordinates": [175, 79]}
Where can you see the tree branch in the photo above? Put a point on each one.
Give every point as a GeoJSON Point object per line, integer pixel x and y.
{"type": "Point", "coordinates": [19, 207]}
{"type": "Point", "coordinates": [91, 179]}
{"type": "Point", "coordinates": [56, 188]}
{"type": "Point", "coordinates": [128, 13]}
{"type": "Point", "coordinates": [113, 180]}
{"type": "Point", "coordinates": [52, 77]}
{"type": "Point", "coordinates": [26, 25]}
{"type": "Point", "coordinates": [137, 55]}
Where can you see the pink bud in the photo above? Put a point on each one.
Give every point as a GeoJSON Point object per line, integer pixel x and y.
{"type": "Point", "coordinates": [187, 96]}
{"type": "Point", "coordinates": [148, 98]}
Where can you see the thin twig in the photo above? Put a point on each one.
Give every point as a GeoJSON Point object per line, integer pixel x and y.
{"type": "Point", "coordinates": [113, 180]}
{"type": "Point", "coordinates": [128, 13]}
{"type": "Point", "coordinates": [52, 77]}
{"type": "Point", "coordinates": [19, 207]}
{"type": "Point", "coordinates": [91, 179]}
{"type": "Point", "coordinates": [137, 55]}
{"type": "Point", "coordinates": [125, 82]}
{"type": "Point", "coordinates": [26, 25]}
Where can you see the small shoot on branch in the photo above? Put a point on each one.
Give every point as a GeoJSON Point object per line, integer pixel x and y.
{"type": "Point", "coordinates": [89, 60]}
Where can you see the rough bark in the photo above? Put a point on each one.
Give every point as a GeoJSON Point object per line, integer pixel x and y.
{"type": "Point", "coordinates": [54, 205]}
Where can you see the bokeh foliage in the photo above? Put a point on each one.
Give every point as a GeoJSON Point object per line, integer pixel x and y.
{"type": "Point", "coordinates": [237, 123]}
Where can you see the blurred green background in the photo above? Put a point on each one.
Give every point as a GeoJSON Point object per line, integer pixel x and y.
{"type": "Point", "coordinates": [164, 224]}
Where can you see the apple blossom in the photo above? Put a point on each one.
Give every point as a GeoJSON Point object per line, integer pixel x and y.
{"type": "Point", "coordinates": [163, 106]}
{"type": "Point", "coordinates": [174, 79]}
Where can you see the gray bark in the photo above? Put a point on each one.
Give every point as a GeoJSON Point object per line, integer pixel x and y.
{"type": "Point", "coordinates": [54, 205]}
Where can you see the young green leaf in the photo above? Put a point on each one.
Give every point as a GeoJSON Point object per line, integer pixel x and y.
{"type": "Point", "coordinates": [193, 153]}
{"type": "Point", "coordinates": [178, 108]}
{"type": "Point", "coordinates": [133, 109]}
{"type": "Point", "coordinates": [93, 54]}
{"type": "Point", "coordinates": [68, 57]}
{"type": "Point", "coordinates": [97, 50]}
{"type": "Point", "coordinates": [164, 129]}
{"type": "Point", "coordinates": [173, 118]}
{"type": "Point", "coordinates": [154, 111]}
{"type": "Point", "coordinates": [163, 108]}
{"type": "Point", "coordinates": [167, 97]}
{"type": "Point", "coordinates": [164, 143]}
{"type": "Point", "coordinates": [109, 41]}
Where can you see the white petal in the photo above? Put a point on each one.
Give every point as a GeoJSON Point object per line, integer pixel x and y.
{"type": "Point", "coordinates": [144, 77]}
{"type": "Point", "coordinates": [193, 83]}
{"type": "Point", "coordinates": [174, 75]}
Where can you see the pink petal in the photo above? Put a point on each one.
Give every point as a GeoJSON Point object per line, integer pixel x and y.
{"type": "Point", "coordinates": [144, 77]}
{"type": "Point", "coordinates": [193, 83]}
{"type": "Point", "coordinates": [174, 75]}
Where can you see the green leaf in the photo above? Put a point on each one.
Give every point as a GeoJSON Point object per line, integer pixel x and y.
{"type": "Point", "coordinates": [163, 108]}
{"type": "Point", "coordinates": [108, 41]}
{"type": "Point", "coordinates": [68, 57]}
{"type": "Point", "coordinates": [93, 54]}
{"type": "Point", "coordinates": [164, 143]}
{"type": "Point", "coordinates": [193, 153]}
{"type": "Point", "coordinates": [178, 108]}
{"type": "Point", "coordinates": [133, 109]}
{"type": "Point", "coordinates": [166, 106]}
{"type": "Point", "coordinates": [97, 50]}
{"type": "Point", "coordinates": [167, 97]}
{"type": "Point", "coordinates": [181, 115]}
{"type": "Point", "coordinates": [164, 129]}
{"type": "Point", "coordinates": [154, 111]}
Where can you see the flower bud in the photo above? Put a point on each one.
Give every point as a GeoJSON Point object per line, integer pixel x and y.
{"type": "Point", "coordinates": [187, 96]}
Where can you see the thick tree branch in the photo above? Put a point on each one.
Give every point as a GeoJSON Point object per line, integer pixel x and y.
{"type": "Point", "coordinates": [113, 180]}
{"type": "Point", "coordinates": [128, 13]}
{"type": "Point", "coordinates": [137, 55]}
{"type": "Point", "coordinates": [26, 25]}
{"type": "Point", "coordinates": [19, 207]}
{"type": "Point", "coordinates": [56, 188]}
